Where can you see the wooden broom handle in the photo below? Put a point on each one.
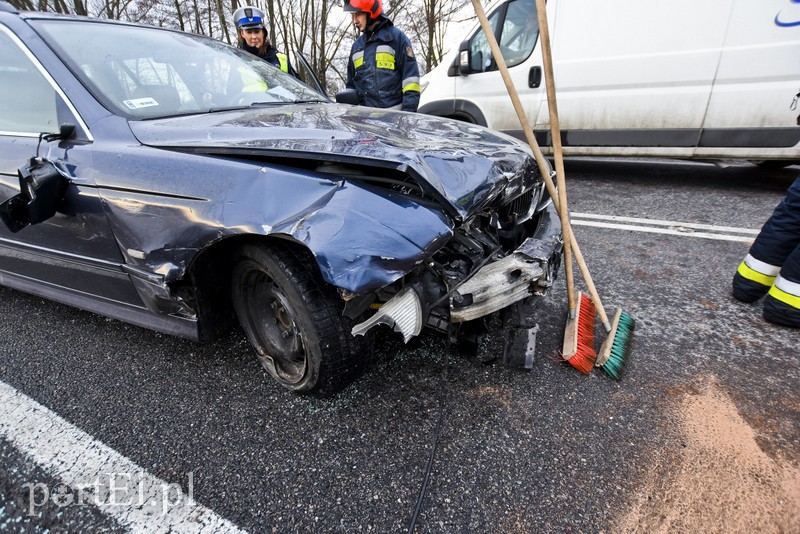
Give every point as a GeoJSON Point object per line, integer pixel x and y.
{"type": "Point", "coordinates": [540, 160]}
{"type": "Point", "coordinates": [555, 134]}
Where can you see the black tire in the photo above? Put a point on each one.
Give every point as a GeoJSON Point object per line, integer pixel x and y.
{"type": "Point", "coordinates": [294, 320]}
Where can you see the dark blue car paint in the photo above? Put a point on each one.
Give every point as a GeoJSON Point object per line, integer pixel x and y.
{"type": "Point", "coordinates": [361, 240]}
{"type": "Point", "coordinates": [147, 197]}
{"type": "Point", "coordinates": [466, 165]}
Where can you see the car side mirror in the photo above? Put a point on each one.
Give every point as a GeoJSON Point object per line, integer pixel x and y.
{"type": "Point", "coordinates": [66, 131]}
{"type": "Point", "coordinates": [348, 96]}
{"type": "Point", "coordinates": [464, 59]}
{"type": "Point", "coordinates": [42, 188]}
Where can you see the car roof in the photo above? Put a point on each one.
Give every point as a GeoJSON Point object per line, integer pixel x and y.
{"type": "Point", "coordinates": [8, 8]}
{"type": "Point", "coordinates": [49, 15]}
{"type": "Point", "coordinates": [5, 7]}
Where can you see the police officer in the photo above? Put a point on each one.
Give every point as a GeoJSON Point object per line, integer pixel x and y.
{"type": "Point", "coordinates": [382, 67]}
{"type": "Point", "coordinates": [252, 30]}
{"type": "Point", "coordinates": [772, 267]}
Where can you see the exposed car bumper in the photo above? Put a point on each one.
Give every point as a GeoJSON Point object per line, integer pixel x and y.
{"type": "Point", "coordinates": [528, 270]}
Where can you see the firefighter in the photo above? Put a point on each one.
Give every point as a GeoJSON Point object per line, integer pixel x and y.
{"type": "Point", "coordinates": [772, 267]}
{"type": "Point", "coordinates": [382, 67]}
{"type": "Point", "coordinates": [252, 30]}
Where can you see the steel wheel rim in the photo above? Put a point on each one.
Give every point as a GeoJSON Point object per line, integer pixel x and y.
{"type": "Point", "coordinates": [274, 325]}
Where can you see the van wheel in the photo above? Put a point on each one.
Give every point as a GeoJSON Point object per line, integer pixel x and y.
{"type": "Point", "coordinates": [294, 320]}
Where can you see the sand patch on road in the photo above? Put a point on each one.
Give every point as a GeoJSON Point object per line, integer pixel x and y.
{"type": "Point", "coordinates": [722, 480]}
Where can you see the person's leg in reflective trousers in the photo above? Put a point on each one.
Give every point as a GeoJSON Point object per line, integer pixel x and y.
{"type": "Point", "coordinates": [782, 305]}
{"type": "Point", "coordinates": [778, 238]}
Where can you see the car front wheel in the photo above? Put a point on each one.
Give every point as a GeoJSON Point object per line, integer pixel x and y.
{"type": "Point", "coordinates": [294, 320]}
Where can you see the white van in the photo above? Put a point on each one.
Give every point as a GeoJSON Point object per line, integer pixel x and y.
{"type": "Point", "coordinates": [693, 79]}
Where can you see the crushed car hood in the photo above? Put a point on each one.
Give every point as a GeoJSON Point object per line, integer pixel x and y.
{"type": "Point", "coordinates": [466, 166]}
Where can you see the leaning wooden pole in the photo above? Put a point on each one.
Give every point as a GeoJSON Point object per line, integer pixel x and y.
{"type": "Point", "coordinates": [541, 161]}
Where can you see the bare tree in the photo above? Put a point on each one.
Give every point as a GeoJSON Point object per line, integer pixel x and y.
{"type": "Point", "coordinates": [222, 19]}
{"type": "Point", "coordinates": [318, 30]}
{"type": "Point", "coordinates": [427, 23]}
{"type": "Point", "coordinates": [23, 5]}
{"type": "Point", "coordinates": [59, 6]}
{"type": "Point", "coordinates": [179, 15]}
{"type": "Point", "coordinates": [271, 17]}
{"type": "Point", "coordinates": [198, 21]}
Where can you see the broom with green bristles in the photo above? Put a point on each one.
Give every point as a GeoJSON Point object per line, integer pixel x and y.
{"type": "Point", "coordinates": [580, 324]}
{"type": "Point", "coordinates": [616, 346]}
{"type": "Point", "coordinates": [615, 349]}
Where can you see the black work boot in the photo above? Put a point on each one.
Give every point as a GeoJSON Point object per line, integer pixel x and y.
{"type": "Point", "coordinates": [778, 312]}
{"type": "Point", "coordinates": [747, 290]}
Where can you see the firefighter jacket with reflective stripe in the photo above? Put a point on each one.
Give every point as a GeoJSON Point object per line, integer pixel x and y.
{"type": "Point", "coordinates": [774, 258]}
{"type": "Point", "coordinates": [382, 68]}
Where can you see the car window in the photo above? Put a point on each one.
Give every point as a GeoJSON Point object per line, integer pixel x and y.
{"type": "Point", "coordinates": [143, 72]}
{"type": "Point", "coordinates": [516, 36]}
{"type": "Point", "coordinates": [28, 101]}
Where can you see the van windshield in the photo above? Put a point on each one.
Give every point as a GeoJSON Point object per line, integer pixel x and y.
{"type": "Point", "coordinates": [515, 26]}
{"type": "Point", "coordinates": [520, 31]}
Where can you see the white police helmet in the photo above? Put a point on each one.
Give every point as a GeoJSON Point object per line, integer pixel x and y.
{"type": "Point", "coordinates": [249, 17]}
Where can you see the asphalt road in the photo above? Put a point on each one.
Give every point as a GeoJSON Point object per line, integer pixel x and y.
{"type": "Point", "coordinates": [548, 450]}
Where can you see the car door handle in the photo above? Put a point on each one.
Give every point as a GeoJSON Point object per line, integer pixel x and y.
{"type": "Point", "coordinates": [535, 77]}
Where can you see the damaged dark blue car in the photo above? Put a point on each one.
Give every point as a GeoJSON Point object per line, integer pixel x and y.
{"type": "Point", "coordinates": [177, 183]}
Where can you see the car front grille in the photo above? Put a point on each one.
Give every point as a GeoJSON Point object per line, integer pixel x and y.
{"type": "Point", "coordinates": [517, 210]}
{"type": "Point", "coordinates": [521, 205]}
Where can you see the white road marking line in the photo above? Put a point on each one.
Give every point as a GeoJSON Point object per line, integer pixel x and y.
{"type": "Point", "coordinates": [659, 222]}
{"type": "Point", "coordinates": [746, 235]}
{"type": "Point", "coordinates": [98, 474]}
{"type": "Point", "coordinates": [651, 230]}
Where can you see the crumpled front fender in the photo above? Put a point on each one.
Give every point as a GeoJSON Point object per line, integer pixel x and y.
{"type": "Point", "coordinates": [363, 241]}
{"type": "Point", "coordinates": [362, 236]}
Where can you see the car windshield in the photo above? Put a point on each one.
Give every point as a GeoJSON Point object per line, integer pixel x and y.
{"type": "Point", "coordinates": [146, 73]}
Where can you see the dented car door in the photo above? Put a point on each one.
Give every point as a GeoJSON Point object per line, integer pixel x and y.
{"type": "Point", "coordinates": [76, 241]}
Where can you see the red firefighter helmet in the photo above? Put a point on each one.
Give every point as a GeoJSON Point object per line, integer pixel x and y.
{"type": "Point", "coordinates": [373, 8]}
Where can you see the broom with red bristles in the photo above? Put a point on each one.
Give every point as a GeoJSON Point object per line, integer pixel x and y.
{"type": "Point", "coordinates": [578, 347]}
{"type": "Point", "coordinates": [616, 346]}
